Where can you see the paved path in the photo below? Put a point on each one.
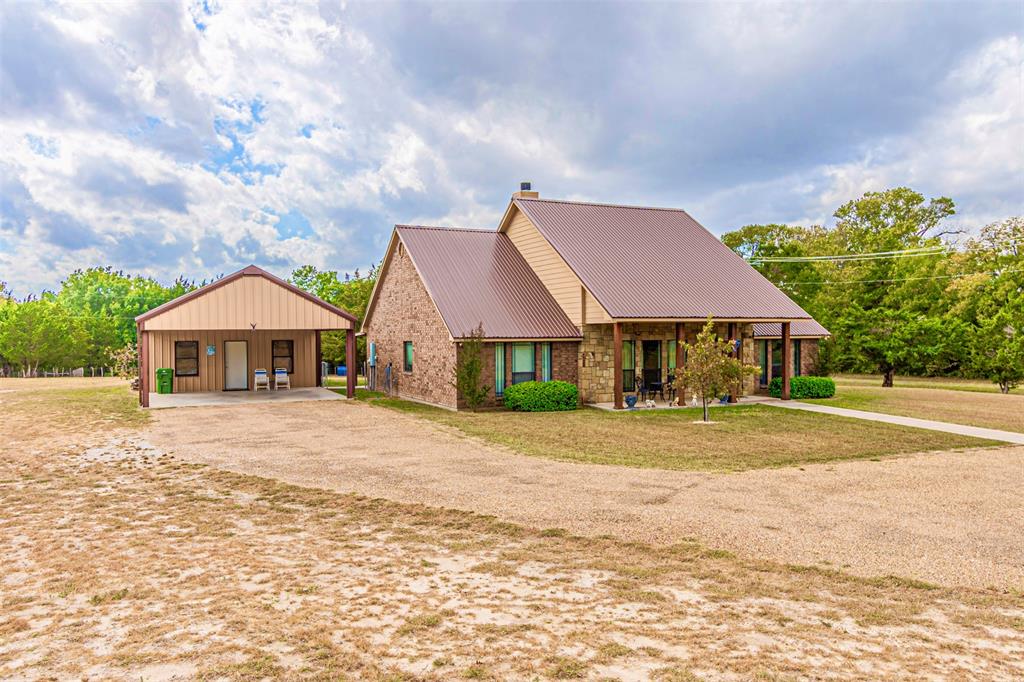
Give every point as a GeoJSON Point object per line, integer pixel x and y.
{"type": "Point", "coordinates": [961, 429]}
{"type": "Point", "coordinates": [952, 517]}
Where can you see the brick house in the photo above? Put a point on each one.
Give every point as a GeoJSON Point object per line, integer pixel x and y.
{"type": "Point", "coordinates": [599, 295]}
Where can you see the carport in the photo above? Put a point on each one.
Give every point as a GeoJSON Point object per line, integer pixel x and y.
{"type": "Point", "coordinates": [216, 337]}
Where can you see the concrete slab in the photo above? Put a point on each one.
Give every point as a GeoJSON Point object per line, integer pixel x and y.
{"type": "Point", "coordinates": [162, 401]}
{"type": "Point", "coordinates": [961, 429]}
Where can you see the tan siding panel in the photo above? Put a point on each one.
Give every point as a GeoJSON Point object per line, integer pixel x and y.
{"type": "Point", "coordinates": [243, 302]}
{"type": "Point", "coordinates": [211, 368]}
{"type": "Point", "coordinates": [552, 270]}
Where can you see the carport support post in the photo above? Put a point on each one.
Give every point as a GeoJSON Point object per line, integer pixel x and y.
{"type": "Point", "coordinates": [143, 362]}
{"type": "Point", "coordinates": [351, 364]}
{"type": "Point", "coordinates": [319, 361]}
{"type": "Point", "coordinates": [617, 364]}
{"type": "Point", "coordinates": [787, 360]}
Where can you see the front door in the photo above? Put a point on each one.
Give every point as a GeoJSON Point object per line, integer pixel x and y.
{"type": "Point", "coordinates": [236, 365]}
{"type": "Point", "coordinates": [652, 362]}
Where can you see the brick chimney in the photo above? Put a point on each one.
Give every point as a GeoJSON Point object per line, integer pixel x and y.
{"type": "Point", "coordinates": [525, 192]}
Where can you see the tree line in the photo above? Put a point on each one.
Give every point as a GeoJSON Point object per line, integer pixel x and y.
{"type": "Point", "coordinates": [900, 290]}
{"type": "Point", "coordinates": [89, 320]}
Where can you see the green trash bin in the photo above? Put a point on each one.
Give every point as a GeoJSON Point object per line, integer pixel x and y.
{"type": "Point", "coordinates": [165, 380]}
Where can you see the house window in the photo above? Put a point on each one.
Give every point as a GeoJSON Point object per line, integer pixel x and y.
{"type": "Point", "coordinates": [629, 366]}
{"type": "Point", "coordinates": [499, 369]}
{"type": "Point", "coordinates": [796, 357]}
{"type": "Point", "coordinates": [545, 362]}
{"type": "Point", "coordinates": [671, 356]}
{"type": "Point", "coordinates": [407, 359]}
{"type": "Point", "coordinates": [186, 358]}
{"type": "Point", "coordinates": [283, 355]}
{"type": "Point", "coordinates": [523, 359]}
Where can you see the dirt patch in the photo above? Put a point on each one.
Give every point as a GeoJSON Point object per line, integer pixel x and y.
{"type": "Point", "coordinates": [948, 518]}
{"type": "Point", "coordinates": [122, 562]}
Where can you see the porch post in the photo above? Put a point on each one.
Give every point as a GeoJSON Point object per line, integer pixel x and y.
{"type": "Point", "coordinates": [143, 350]}
{"type": "Point", "coordinates": [319, 361]}
{"type": "Point", "coordinates": [617, 354]}
{"type": "Point", "coordinates": [351, 364]}
{"type": "Point", "coordinates": [680, 355]}
{"type": "Point", "coordinates": [733, 397]}
{"type": "Point", "coordinates": [787, 360]}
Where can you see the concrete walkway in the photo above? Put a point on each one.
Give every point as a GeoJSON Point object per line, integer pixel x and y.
{"type": "Point", "coordinates": [160, 401]}
{"type": "Point", "coordinates": [961, 429]}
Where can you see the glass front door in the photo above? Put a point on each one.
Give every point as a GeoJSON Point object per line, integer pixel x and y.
{"type": "Point", "coordinates": [652, 362]}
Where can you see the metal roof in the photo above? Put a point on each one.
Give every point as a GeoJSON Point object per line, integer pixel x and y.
{"type": "Point", "coordinates": [651, 263]}
{"type": "Point", "coordinates": [773, 330]}
{"type": "Point", "coordinates": [478, 276]}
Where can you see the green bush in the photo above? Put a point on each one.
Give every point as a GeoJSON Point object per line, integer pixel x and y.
{"type": "Point", "coordinates": [804, 387]}
{"type": "Point", "coordinates": [542, 396]}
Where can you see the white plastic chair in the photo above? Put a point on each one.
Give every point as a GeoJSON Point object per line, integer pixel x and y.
{"type": "Point", "coordinates": [281, 379]}
{"type": "Point", "coordinates": [261, 380]}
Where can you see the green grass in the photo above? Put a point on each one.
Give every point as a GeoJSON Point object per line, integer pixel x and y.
{"type": "Point", "coordinates": [947, 383]}
{"type": "Point", "coordinates": [746, 437]}
{"type": "Point", "coordinates": [932, 400]}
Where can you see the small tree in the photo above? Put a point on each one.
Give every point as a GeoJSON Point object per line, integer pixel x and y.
{"type": "Point", "coordinates": [998, 349]}
{"type": "Point", "coordinates": [710, 368]}
{"type": "Point", "coordinates": [469, 369]}
{"type": "Point", "coordinates": [126, 363]}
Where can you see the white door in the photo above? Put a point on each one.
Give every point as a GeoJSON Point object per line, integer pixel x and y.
{"type": "Point", "coordinates": [236, 365]}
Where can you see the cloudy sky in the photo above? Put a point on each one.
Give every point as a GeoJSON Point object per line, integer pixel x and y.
{"type": "Point", "coordinates": [198, 137]}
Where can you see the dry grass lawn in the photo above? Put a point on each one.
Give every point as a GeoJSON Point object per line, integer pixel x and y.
{"type": "Point", "coordinates": [901, 381]}
{"type": "Point", "coordinates": [121, 562]}
{"type": "Point", "coordinates": [957, 401]}
{"type": "Point", "coordinates": [744, 437]}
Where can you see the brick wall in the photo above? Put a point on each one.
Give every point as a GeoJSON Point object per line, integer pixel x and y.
{"type": "Point", "coordinates": [564, 363]}
{"type": "Point", "coordinates": [596, 357]}
{"type": "Point", "coordinates": [405, 312]}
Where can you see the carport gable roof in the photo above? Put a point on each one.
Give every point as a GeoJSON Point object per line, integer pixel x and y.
{"type": "Point", "coordinates": [250, 271]}
{"type": "Point", "coordinates": [654, 263]}
{"type": "Point", "coordinates": [478, 277]}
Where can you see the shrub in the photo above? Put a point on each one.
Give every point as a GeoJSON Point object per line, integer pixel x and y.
{"type": "Point", "coordinates": [541, 396]}
{"type": "Point", "coordinates": [804, 387]}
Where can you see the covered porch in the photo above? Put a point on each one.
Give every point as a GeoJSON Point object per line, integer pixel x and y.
{"type": "Point", "coordinates": [640, 351]}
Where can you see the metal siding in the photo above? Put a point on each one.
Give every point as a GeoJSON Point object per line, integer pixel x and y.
{"type": "Point", "coordinates": [615, 250]}
{"type": "Point", "coordinates": [476, 276]}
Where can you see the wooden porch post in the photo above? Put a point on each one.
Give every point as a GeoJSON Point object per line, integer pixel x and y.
{"type": "Point", "coordinates": [351, 364]}
{"type": "Point", "coordinates": [319, 361]}
{"type": "Point", "coordinates": [733, 397]}
{"type": "Point", "coordinates": [680, 355]}
{"type": "Point", "coordinates": [787, 360]}
{"type": "Point", "coordinates": [617, 354]}
{"type": "Point", "coordinates": [143, 365]}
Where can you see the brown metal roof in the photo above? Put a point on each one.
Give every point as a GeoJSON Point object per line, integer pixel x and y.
{"type": "Point", "coordinates": [249, 271]}
{"type": "Point", "coordinates": [773, 330]}
{"type": "Point", "coordinates": [655, 263]}
{"type": "Point", "coordinates": [478, 276]}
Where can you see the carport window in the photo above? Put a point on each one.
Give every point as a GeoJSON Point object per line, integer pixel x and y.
{"type": "Point", "coordinates": [186, 358]}
{"type": "Point", "coordinates": [407, 364]}
{"type": "Point", "coordinates": [283, 354]}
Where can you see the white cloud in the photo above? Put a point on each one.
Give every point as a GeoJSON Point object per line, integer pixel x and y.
{"type": "Point", "coordinates": [172, 141]}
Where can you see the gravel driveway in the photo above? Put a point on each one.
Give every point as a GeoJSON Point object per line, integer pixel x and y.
{"type": "Point", "coordinates": [954, 519]}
